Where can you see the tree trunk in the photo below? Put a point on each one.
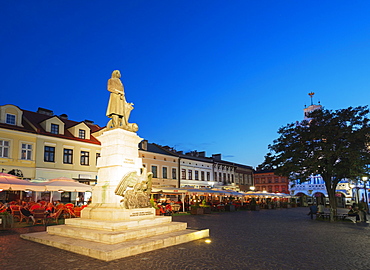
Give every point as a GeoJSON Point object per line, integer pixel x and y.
{"type": "Point", "coordinates": [332, 200]}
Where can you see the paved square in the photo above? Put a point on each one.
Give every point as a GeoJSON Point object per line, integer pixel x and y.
{"type": "Point", "coordinates": [268, 239]}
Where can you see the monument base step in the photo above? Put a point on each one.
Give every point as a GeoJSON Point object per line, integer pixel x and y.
{"type": "Point", "coordinates": [108, 252]}
{"type": "Point", "coordinates": [114, 237]}
{"type": "Point", "coordinates": [118, 225]}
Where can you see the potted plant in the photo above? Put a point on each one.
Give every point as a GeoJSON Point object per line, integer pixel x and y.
{"type": "Point", "coordinates": [6, 220]}
{"type": "Point", "coordinates": [155, 206]}
{"type": "Point", "coordinates": [205, 207]}
{"type": "Point", "coordinates": [195, 209]}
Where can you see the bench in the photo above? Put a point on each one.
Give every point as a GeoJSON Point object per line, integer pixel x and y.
{"type": "Point", "coordinates": [326, 216]}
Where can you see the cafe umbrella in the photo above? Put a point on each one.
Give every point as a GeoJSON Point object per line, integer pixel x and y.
{"type": "Point", "coordinates": [63, 184]}
{"type": "Point", "coordinates": [11, 182]}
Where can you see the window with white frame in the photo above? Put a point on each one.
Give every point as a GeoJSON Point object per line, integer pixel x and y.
{"type": "Point", "coordinates": [190, 174]}
{"type": "Point", "coordinates": [81, 134]}
{"type": "Point", "coordinates": [67, 156]}
{"type": "Point", "coordinates": [26, 152]}
{"type": "Point", "coordinates": [155, 171]}
{"type": "Point", "coordinates": [10, 119]}
{"type": "Point", "coordinates": [85, 158]}
{"type": "Point", "coordinates": [49, 154]}
{"type": "Point", "coordinates": [202, 175]}
{"type": "Point", "coordinates": [164, 172]}
{"type": "Point", "coordinates": [183, 174]}
{"type": "Point", "coordinates": [196, 175]}
{"type": "Point", "coordinates": [54, 129]}
{"type": "Point", "coordinates": [174, 173]}
{"type": "Point", "coordinates": [4, 148]}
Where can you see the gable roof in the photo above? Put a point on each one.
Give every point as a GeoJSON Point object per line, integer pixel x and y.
{"type": "Point", "coordinates": [31, 122]}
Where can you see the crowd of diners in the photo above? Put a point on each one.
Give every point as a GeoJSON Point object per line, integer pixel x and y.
{"type": "Point", "coordinates": [24, 211]}
{"type": "Point", "coordinates": [166, 205]}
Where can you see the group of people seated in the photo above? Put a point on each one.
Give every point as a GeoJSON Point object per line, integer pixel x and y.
{"type": "Point", "coordinates": [358, 211]}
{"type": "Point", "coordinates": [48, 209]}
{"type": "Point", "coordinates": [168, 207]}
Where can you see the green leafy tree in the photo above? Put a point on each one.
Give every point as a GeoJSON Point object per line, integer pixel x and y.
{"type": "Point", "coordinates": [334, 144]}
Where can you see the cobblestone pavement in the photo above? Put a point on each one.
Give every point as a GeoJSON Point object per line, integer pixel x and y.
{"type": "Point", "coordinates": [267, 239]}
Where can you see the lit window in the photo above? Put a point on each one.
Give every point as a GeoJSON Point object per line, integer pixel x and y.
{"type": "Point", "coordinates": [85, 156]}
{"type": "Point", "coordinates": [26, 151]}
{"type": "Point", "coordinates": [81, 134]}
{"type": "Point", "coordinates": [68, 156]}
{"type": "Point", "coordinates": [10, 119]}
{"type": "Point", "coordinates": [54, 129]}
{"type": "Point", "coordinates": [4, 149]}
{"type": "Point", "coordinates": [49, 154]}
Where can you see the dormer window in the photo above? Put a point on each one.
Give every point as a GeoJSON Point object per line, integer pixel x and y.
{"type": "Point", "coordinates": [81, 134]}
{"type": "Point", "coordinates": [10, 119]}
{"type": "Point", "coordinates": [54, 129]}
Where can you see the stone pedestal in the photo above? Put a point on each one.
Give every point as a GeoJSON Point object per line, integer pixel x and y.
{"type": "Point", "coordinates": [106, 230]}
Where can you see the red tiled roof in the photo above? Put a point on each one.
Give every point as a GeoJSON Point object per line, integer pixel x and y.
{"type": "Point", "coordinates": [31, 123]}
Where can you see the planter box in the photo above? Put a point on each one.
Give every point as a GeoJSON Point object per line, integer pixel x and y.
{"type": "Point", "coordinates": [6, 221]}
{"type": "Point", "coordinates": [196, 211]}
{"type": "Point", "coordinates": [230, 207]}
{"type": "Point", "coordinates": [206, 210]}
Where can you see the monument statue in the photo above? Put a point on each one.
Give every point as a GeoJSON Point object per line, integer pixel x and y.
{"type": "Point", "coordinates": [135, 190]}
{"type": "Point", "coordinates": [118, 108]}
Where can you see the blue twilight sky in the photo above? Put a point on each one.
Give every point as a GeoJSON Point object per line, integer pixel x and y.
{"type": "Point", "coordinates": [214, 76]}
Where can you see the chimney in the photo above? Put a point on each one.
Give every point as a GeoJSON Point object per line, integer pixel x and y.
{"type": "Point", "coordinates": [144, 145]}
{"type": "Point", "coordinates": [216, 156]}
{"type": "Point", "coordinates": [202, 154]}
{"type": "Point", "coordinates": [90, 122]}
{"type": "Point", "coordinates": [63, 116]}
{"type": "Point", "coordinates": [45, 111]}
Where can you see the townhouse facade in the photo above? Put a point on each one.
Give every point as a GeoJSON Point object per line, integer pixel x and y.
{"type": "Point", "coordinates": [267, 180]}
{"type": "Point", "coordinates": [41, 145]}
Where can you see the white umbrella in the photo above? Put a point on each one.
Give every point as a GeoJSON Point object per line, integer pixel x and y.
{"type": "Point", "coordinates": [64, 184]}
{"type": "Point", "coordinates": [11, 182]}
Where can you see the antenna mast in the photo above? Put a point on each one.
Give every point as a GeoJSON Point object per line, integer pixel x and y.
{"type": "Point", "coordinates": [311, 95]}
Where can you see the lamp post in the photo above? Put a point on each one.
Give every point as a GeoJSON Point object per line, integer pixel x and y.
{"type": "Point", "coordinates": [365, 179]}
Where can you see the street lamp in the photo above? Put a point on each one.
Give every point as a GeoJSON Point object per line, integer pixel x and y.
{"type": "Point", "coordinates": [365, 179]}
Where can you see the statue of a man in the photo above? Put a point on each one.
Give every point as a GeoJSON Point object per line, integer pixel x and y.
{"type": "Point", "coordinates": [118, 108]}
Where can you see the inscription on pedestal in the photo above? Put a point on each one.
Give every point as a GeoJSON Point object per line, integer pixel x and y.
{"type": "Point", "coordinates": [129, 161]}
{"type": "Point", "coordinates": [141, 213]}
